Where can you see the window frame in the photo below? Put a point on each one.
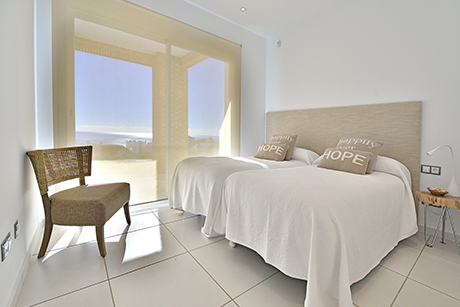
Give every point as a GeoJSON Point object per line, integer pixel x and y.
{"type": "Point", "coordinates": [136, 20]}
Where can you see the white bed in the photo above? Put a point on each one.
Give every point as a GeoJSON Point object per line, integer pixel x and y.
{"type": "Point", "coordinates": [325, 226]}
{"type": "Point", "coordinates": [196, 185]}
{"type": "Point", "coordinates": [328, 227]}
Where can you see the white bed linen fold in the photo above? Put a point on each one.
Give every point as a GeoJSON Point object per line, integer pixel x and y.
{"type": "Point", "coordinates": [328, 227]}
{"type": "Point", "coordinates": [196, 185]}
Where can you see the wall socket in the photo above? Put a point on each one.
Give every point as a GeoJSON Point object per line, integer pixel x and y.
{"type": "Point", "coordinates": [16, 229]}
{"type": "Point", "coordinates": [430, 169]}
{"type": "Point", "coordinates": [6, 246]}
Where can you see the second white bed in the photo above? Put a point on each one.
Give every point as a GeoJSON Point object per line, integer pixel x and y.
{"type": "Point", "coordinates": [328, 227]}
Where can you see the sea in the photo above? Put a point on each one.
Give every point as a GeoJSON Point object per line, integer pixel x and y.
{"type": "Point", "coordinates": [119, 138]}
{"type": "Point", "coordinates": [114, 138]}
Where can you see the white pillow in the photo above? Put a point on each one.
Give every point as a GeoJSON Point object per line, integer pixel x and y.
{"type": "Point", "coordinates": [305, 155]}
{"type": "Point", "coordinates": [392, 166]}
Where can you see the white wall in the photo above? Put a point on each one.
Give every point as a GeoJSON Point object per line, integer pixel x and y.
{"type": "Point", "coordinates": [253, 74]}
{"type": "Point", "coordinates": [375, 51]}
{"type": "Point", "coordinates": [43, 72]}
{"type": "Point", "coordinates": [17, 135]}
{"type": "Point", "coordinates": [26, 105]}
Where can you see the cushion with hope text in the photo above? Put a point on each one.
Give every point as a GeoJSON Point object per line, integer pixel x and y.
{"type": "Point", "coordinates": [346, 160]}
{"type": "Point", "coordinates": [272, 152]}
{"type": "Point", "coordinates": [362, 144]}
{"type": "Point", "coordinates": [287, 139]}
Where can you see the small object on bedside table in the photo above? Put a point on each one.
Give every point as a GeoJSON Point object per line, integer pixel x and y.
{"type": "Point", "coordinates": [445, 203]}
{"type": "Point", "coordinates": [437, 191]}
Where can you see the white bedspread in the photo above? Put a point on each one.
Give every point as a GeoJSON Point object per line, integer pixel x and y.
{"type": "Point", "coordinates": [328, 227]}
{"type": "Point", "coordinates": [196, 185]}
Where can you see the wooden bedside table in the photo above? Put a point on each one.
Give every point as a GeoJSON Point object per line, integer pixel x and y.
{"type": "Point", "coordinates": [444, 202]}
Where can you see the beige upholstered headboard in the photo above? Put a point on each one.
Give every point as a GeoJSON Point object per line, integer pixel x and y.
{"type": "Point", "coordinates": [397, 125]}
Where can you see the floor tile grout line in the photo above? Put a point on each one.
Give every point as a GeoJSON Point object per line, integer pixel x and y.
{"type": "Point", "coordinates": [424, 249]}
{"type": "Point", "coordinates": [434, 289]}
{"type": "Point", "coordinates": [140, 268]}
{"type": "Point", "coordinates": [159, 261]}
{"type": "Point", "coordinates": [147, 265]}
{"type": "Point", "coordinates": [407, 276]}
{"type": "Point", "coordinates": [174, 221]}
{"type": "Point", "coordinates": [420, 283]}
{"type": "Point", "coordinates": [67, 293]}
{"type": "Point", "coordinates": [444, 258]}
{"type": "Point", "coordinates": [231, 301]}
{"type": "Point", "coordinates": [180, 220]}
{"type": "Point", "coordinates": [95, 241]}
{"type": "Point", "coordinates": [110, 285]}
{"type": "Point", "coordinates": [262, 281]}
{"type": "Point", "coordinates": [120, 234]}
{"type": "Point", "coordinates": [189, 252]}
{"type": "Point", "coordinates": [199, 262]}
{"type": "Point", "coordinates": [209, 274]}
{"type": "Point", "coordinates": [193, 249]}
{"type": "Point", "coordinates": [207, 244]}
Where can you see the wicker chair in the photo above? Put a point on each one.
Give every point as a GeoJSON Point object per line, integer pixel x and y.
{"type": "Point", "coordinates": [84, 205]}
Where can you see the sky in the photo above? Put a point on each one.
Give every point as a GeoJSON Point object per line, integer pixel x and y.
{"type": "Point", "coordinates": [112, 95]}
{"type": "Point", "coordinates": [116, 96]}
{"type": "Point", "coordinates": [206, 97]}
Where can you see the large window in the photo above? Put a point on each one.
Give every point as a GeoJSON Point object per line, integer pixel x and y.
{"type": "Point", "coordinates": [113, 112]}
{"type": "Point", "coordinates": [143, 95]}
{"type": "Point", "coordinates": [206, 106]}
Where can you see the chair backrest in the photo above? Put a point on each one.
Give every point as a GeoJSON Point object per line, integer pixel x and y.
{"type": "Point", "coordinates": [56, 165]}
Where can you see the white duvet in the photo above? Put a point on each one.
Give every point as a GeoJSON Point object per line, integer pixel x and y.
{"type": "Point", "coordinates": [328, 227]}
{"type": "Point", "coordinates": [196, 185]}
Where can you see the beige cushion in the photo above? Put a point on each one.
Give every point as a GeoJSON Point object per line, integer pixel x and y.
{"type": "Point", "coordinates": [272, 152]}
{"type": "Point", "coordinates": [285, 139]}
{"type": "Point", "coordinates": [352, 161]}
{"type": "Point", "coordinates": [364, 145]}
{"type": "Point", "coordinates": [88, 205]}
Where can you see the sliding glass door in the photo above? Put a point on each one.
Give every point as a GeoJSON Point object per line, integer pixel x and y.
{"type": "Point", "coordinates": [143, 101]}
{"type": "Point", "coordinates": [197, 106]}
{"type": "Point", "coordinates": [114, 82]}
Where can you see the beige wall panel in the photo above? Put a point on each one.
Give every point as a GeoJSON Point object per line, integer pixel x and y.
{"type": "Point", "coordinates": [397, 125]}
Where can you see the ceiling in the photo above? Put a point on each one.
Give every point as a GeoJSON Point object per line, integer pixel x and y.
{"type": "Point", "coordinates": [269, 18]}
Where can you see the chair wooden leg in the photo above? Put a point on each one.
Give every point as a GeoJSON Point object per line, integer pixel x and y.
{"type": "Point", "coordinates": [128, 218]}
{"type": "Point", "coordinates": [46, 237]}
{"type": "Point", "coordinates": [48, 225]}
{"type": "Point", "coordinates": [101, 240]}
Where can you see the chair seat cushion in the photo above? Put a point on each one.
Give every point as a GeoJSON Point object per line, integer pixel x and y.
{"type": "Point", "coordinates": [88, 205]}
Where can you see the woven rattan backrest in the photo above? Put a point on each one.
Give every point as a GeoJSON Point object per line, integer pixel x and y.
{"type": "Point", "coordinates": [53, 166]}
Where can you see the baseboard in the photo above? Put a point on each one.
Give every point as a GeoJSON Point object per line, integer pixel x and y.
{"type": "Point", "coordinates": [25, 267]}
{"type": "Point", "coordinates": [430, 231]}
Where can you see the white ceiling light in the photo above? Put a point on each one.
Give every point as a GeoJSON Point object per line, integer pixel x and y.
{"type": "Point", "coordinates": [243, 9]}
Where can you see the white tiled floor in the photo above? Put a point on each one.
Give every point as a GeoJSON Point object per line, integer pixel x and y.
{"type": "Point", "coordinates": [162, 259]}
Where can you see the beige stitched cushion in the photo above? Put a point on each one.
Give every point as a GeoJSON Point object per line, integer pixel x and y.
{"type": "Point", "coordinates": [285, 139]}
{"type": "Point", "coordinates": [352, 161]}
{"type": "Point", "coordinates": [272, 152]}
{"type": "Point", "coordinates": [364, 145]}
{"type": "Point", "coordinates": [88, 205]}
